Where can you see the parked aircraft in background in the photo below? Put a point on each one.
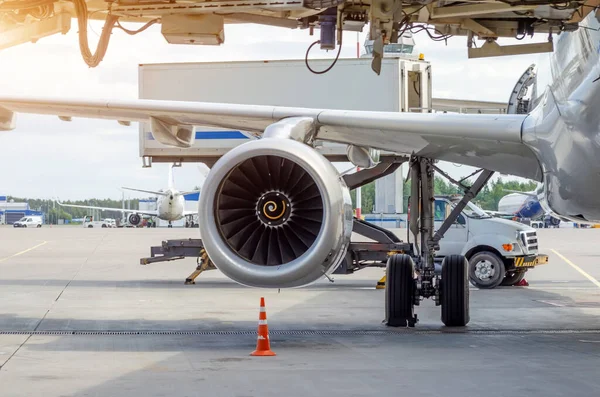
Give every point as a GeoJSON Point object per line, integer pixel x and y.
{"type": "Point", "coordinates": [170, 204]}
{"type": "Point", "coordinates": [521, 206]}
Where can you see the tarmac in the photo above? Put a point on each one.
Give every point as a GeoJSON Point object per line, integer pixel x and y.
{"type": "Point", "coordinates": [79, 316]}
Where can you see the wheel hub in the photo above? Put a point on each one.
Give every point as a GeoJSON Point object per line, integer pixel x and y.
{"type": "Point", "coordinates": [273, 208]}
{"type": "Point", "coordinates": [484, 270]}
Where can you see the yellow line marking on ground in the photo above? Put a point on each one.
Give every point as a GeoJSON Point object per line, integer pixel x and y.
{"type": "Point", "coordinates": [23, 252]}
{"type": "Point", "coordinates": [580, 270]}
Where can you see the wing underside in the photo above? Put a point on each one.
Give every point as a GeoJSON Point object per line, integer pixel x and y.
{"type": "Point", "coordinates": [491, 141]}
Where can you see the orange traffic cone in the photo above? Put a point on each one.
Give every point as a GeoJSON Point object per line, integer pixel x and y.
{"type": "Point", "coordinates": [263, 345]}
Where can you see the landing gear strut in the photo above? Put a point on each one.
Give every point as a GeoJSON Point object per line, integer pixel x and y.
{"type": "Point", "coordinates": [406, 288]}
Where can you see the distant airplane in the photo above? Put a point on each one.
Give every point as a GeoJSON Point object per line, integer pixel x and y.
{"type": "Point", "coordinates": [521, 204]}
{"type": "Point", "coordinates": [524, 205]}
{"type": "Point", "coordinates": [170, 205]}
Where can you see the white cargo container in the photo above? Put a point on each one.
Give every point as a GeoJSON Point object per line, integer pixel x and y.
{"type": "Point", "coordinates": [403, 86]}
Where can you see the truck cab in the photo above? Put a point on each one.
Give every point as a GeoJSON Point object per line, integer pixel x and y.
{"type": "Point", "coordinates": [499, 251]}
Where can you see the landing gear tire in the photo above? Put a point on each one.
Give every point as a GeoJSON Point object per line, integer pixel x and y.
{"type": "Point", "coordinates": [512, 278]}
{"type": "Point", "coordinates": [400, 291]}
{"type": "Point", "coordinates": [454, 294]}
{"type": "Point", "coordinates": [486, 270]}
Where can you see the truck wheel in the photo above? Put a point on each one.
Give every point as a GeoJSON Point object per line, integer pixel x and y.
{"type": "Point", "coordinates": [512, 278]}
{"type": "Point", "coordinates": [454, 294]}
{"type": "Point", "coordinates": [486, 270]}
{"type": "Point", "coordinates": [400, 291]}
{"type": "Point", "coordinates": [39, 225]}
{"type": "Point", "coordinates": [90, 226]}
{"type": "Point", "coordinates": [103, 225]}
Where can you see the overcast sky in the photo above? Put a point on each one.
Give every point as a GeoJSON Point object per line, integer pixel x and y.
{"type": "Point", "coordinates": [45, 157]}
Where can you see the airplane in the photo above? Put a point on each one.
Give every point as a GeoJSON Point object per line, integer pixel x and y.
{"type": "Point", "coordinates": [275, 213]}
{"type": "Point", "coordinates": [524, 205]}
{"type": "Point", "coordinates": [521, 205]}
{"type": "Point", "coordinates": [201, 22]}
{"type": "Point", "coordinates": [518, 204]}
{"type": "Point", "coordinates": [170, 205]}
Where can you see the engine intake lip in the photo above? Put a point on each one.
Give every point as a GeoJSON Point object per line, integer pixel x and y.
{"type": "Point", "coordinates": [322, 256]}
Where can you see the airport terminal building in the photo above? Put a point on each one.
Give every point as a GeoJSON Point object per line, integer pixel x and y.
{"type": "Point", "coordinates": [10, 212]}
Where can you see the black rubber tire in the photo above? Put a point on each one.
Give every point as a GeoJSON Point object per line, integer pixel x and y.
{"type": "Point", "coordinates": [104, 226]}
{"type": "Point", "coordinates": [512, 278]}
{"type": "Point", "coordinates": [497, 265]}
{"type": "Point", "coordinates": [39, 225]}
{"type": "Point", "coordinates": [90, 226]}
{"type": "Point", "coordinates": [400, 290]}
{"type": "Point", "coordinates": [454, 292]}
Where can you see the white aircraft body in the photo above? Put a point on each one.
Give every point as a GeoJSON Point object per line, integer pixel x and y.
{"type": "Point", "coordinates": [275, 213]}
{"type": "Point", "coordinates": [170, 204]}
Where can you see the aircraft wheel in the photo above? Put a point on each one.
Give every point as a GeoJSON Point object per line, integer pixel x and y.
{"type": "Point", "coordinates": [454, 292]}
{"type": "Point", "coordinates": [400, 291]}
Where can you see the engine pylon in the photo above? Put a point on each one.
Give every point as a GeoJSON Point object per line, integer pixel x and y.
{"type": "Point", "coordinates": [263, 344]}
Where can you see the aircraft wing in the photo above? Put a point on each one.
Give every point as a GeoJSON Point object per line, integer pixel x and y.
{"type": "Point", "coordinates": [151, 213]}
{"type": "Point", "coordinates": [490, 141]}
{"type": "Point", "coordinates": [189, 192]}
{"type": "Point", "coordinates": [145, 191]}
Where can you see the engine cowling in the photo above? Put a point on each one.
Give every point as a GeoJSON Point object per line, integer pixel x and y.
{"type": "Point", "coordinates": [276, 214]}
{"type": "Point", "coordinates": [134, 219]}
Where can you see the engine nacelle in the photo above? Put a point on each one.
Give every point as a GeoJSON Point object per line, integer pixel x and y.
{"type": "Point", "coordinates": [134, 219]}
{"type": "Point", "coordinates": [276, 214]}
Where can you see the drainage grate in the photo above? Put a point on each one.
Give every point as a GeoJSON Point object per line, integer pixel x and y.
{"type": "Point", "coordinates": [398, 331]}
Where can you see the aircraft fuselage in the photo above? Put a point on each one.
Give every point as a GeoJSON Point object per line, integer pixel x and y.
{"type": "Point", "coordinates": [563, 130]}
{"type": "Point", "coordinates": [171, 206]}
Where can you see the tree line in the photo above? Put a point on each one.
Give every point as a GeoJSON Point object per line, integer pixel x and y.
{"type": "Point", "coordinates": [487, 199]}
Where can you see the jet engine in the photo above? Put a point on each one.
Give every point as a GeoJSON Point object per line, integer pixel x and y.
{"type": "Point", "coordinates": [276, 214]}
{"type": "Point", "coordinates": [134, 219]}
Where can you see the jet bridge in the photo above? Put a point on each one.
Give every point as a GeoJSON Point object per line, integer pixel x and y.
{"type": "Point", "coordinates": [404, 86]}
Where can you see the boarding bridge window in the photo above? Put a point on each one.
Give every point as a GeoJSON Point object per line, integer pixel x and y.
{"type": "Point", "coordinates": [398, 49]}
{"type": "Point", "coordinates": [415, 87]}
